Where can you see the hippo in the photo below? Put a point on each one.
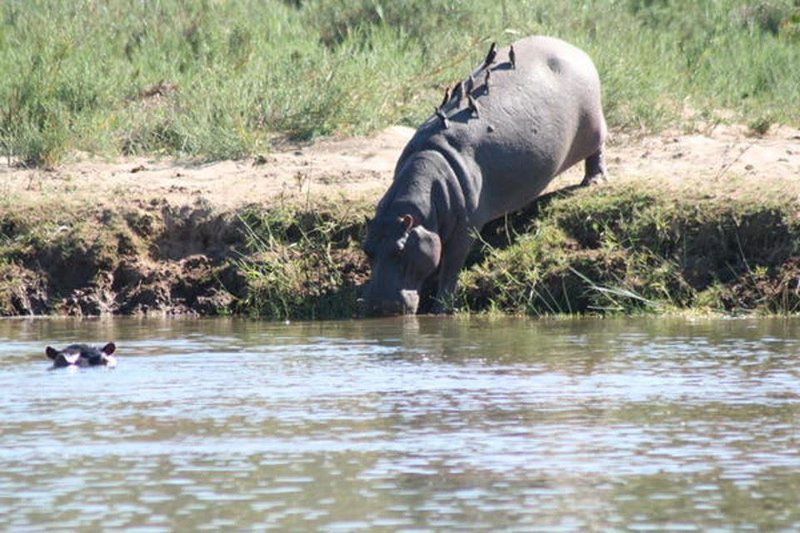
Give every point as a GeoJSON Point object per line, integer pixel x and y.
{"type": "Point", "coordinates": [485, 152]}
{"type": "Point", "coordinates": [81, 355]}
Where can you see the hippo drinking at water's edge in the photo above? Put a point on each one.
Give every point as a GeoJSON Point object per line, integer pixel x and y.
{"type": "Point", "coordinates": [81, 355]}
{"type": "Point", "coordinates": [525, 115]}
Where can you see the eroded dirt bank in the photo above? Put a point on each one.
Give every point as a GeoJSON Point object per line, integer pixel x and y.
{"type": "Point", "coordinates": [704, 220]}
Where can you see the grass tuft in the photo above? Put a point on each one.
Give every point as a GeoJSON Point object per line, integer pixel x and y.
{"type": "Point", "coordinates": [300, 264]}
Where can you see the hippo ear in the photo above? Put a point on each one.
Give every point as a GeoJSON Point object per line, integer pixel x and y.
{"type": "Point", "coordinates": [109, 348]}
{"type": "Point", "coordinates": [408, 221]}
{"type": "Point", "coordinates": [427, 248]}
{"type": "Point", "coordinates": [51, 352]}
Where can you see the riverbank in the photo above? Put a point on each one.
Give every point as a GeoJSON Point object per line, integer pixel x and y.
{"type": "Point", "coordinates": [706, 220]}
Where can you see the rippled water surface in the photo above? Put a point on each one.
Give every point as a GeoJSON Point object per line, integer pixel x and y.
{"type": "Point", "coordinates": [429, 423]}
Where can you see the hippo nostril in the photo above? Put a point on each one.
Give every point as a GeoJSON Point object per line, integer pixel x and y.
{"type": "Point", "coordinates": [406, 303]}
{"type": "Point", "coordinates": [392, 307]}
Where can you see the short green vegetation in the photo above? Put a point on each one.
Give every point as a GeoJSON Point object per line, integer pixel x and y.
{"type": "Point", "coordinates": [301, 263]}
{"type": "Point", "coordinates": [216, 79]}
{"type": "Point", "coordinates": [623, 249]}
{"type": "Point", "coordinates": [608, 249]}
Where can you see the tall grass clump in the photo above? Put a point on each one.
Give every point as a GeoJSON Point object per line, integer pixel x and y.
{"type": "Point", "coordinates": [220, 79]}
{"type": "Point", "coordinates": [300, 264]}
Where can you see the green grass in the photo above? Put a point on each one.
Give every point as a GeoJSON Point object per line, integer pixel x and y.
{"type": "Point", "coordinates": [625, 249]}
{"type": "Point", "coordinates": [214, 79]}
{"type": "Point", "coordinates": [301, 264]}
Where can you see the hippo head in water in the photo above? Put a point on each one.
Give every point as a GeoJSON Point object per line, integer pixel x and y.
{"type": "Point", "coordinates": [403, 255]}
{"type": "Point", "coordinates": [82, 355]}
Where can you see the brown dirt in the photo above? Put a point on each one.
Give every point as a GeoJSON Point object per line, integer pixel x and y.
{"type": "Point", "coordinates": [720, 159]}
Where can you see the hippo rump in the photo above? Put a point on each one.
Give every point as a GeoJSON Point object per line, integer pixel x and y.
{"type": "Point", "coordinates": [525, 115]}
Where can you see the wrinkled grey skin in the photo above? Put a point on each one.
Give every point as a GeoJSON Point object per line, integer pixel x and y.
{"type": "Point", "coordinates": [81, 355]}
{"type": "Point", "coordinates": [537, 120]}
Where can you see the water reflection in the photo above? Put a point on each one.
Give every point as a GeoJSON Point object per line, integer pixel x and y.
{"type": "Point", "coordinates": [421, 422]}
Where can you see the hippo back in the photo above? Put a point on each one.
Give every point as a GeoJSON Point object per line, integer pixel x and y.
{"type": "Point", "coordinates": [536, 119]}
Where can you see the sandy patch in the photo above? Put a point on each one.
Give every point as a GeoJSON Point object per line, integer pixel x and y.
{"type": "Point", "coordinates": [724, 158]}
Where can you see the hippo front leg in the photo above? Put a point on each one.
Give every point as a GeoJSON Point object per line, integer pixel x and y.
{"type": "Point", "coordinates": [454, 254]}
{"type": "Point", "coordinates": [595, 169]}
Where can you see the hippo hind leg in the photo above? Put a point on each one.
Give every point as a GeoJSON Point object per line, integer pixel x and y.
{"type": "Point", "coordinates": [595, 169]}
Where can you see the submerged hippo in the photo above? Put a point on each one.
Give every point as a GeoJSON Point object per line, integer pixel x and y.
{"type": "Point", "coordinates": [489, 149]}
{"type": "Point", "coordinates": [82, 355]}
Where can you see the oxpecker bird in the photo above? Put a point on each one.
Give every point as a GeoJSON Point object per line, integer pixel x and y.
{"type": "Point", "coordinates": [512, 57]}
{"type": "Point", "coordinates": [458, 90]}
{"type": "Point", "coordinates": [473, 106]}
{"type": "Point", "coordinates": [491, 55]}
{"type": "Point", "coordinates": [486, 80]}
{"type": "Point", "coordinates": [441, 116]}
{"type": "Point", "coordinates": [446, 97]}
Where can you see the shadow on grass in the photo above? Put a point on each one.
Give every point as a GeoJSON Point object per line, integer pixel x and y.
{"type": "Point", "coordinates": [504, 231]}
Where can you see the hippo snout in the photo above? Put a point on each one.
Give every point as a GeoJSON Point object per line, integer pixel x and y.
{"type": "Point", "coordinates": [405, 303]}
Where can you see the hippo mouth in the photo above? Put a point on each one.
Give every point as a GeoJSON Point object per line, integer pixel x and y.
{"type": "Point", "coordinates": [406, 304]}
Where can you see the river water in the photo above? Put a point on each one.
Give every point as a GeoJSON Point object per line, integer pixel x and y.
{"type": "Point", "coordinates": [405, 424]}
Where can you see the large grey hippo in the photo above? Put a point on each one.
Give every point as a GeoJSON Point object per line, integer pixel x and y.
{"type": "Point", "coordinates": [486, 151]}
